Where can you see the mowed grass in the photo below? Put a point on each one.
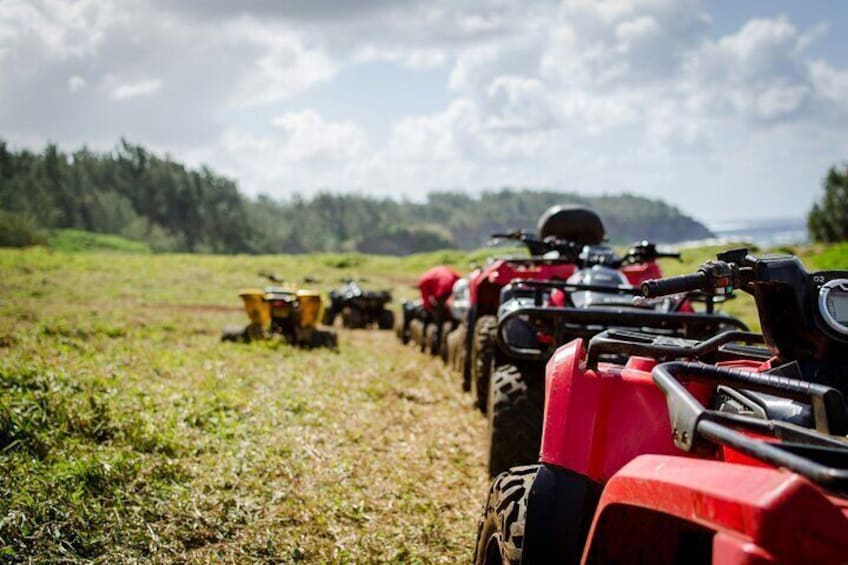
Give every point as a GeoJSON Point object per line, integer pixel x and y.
{"type": "Point", "coordinates": [129, 433]}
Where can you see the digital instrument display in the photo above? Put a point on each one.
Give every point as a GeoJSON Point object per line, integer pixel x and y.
{"type": "Point", "coordinates": [833, 304]}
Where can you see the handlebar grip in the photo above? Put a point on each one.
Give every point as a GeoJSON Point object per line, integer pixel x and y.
{"type": "Point", "coordinates": [674, 285]}
{"type": "Point", "coordinates": [507, 235]}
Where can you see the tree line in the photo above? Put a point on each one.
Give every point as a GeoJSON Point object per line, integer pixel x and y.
{"type": "Point", "coordinates": [828, 220]}
{"type": "Point", "coordinates": [142, 196]}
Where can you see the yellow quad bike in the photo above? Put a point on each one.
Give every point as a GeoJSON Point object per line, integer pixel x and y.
{"type": "Point", "coordinates": [282, 309]}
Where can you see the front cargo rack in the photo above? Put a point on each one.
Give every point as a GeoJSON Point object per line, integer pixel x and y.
{"type": "Point", "coordinates": [723, 346]}
{"type": "Point", "coordinates": [820, 454]}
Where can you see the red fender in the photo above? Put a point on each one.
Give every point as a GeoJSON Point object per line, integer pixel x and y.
{"type": "Point", "coordinates": [760, 515]}
{"type": "Point", "coordinates": [597, 421]}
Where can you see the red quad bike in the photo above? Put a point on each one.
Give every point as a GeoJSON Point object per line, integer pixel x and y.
{"type": "Point", "coordinates": [562, 232]}
{"type": "Point", "coordinates": [714, 451]}
{"type": "Point", "coordinates": [537, 317]}
{"type": "Point", "coordinates": [423, 319]}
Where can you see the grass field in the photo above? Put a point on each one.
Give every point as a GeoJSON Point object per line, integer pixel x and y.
{"type": "Point", "coordinates": [129, 433]}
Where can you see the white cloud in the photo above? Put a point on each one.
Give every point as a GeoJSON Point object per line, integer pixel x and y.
{"type": "Point", "coordinates": [830, 83]}
{"type": "Point", "coordinates": [59, 28]}
{"type": "Point", "coordinates": [757, 73]}
{"type": "Point", "coordinates": [306, 135]}
{"type": "Point", "coordinates": [285, 67]}
{"type": "Point", "coordinates": [76, 83]}
{"type": "Point", "coordinates": [581, 94]}
{"type": "Point", "coordinates": [409, 58]}
{"type": "Point", "coordinates": [135, 89]}
{"type": "Point", "coordinates": [303, 153]}
{"type": "Point", "coordinates": [445, 136]}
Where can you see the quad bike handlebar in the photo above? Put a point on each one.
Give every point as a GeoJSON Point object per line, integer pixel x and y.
{"type": "Point", "coordinates": [674, 285]}
{"type": "Point", "coordinates": [586, 255]}
{"type": "Point", "coordinates": [717, 277]}
{"type": "Point", "coordinates": [271, 277]}
{"type": "Point", "coordinates": [534, 244]}
{"type": "Point", "coordinates": [647, 251]}
{"type": "Point", "coordinates": [279, 280]}
{"type": "Point", "coordinates": [804, 315]}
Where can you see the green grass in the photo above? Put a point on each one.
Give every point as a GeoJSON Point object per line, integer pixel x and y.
{"type": "Point", "coordinates": [129, 433]}
{"type": "Point", "coordinates": [74, 241]}
{"type": "Point", "coordinates": [832, 258]}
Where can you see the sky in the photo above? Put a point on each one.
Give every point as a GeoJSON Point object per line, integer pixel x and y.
{"type": "Point", "coordinates": [725, 109]}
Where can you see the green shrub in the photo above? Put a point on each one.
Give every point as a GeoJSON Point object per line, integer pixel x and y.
{"type": "Point", "coordinates": [79, 240]}
{"type": "Point", "coordinates": [19, 231]}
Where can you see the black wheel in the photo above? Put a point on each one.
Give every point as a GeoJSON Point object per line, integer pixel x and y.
{"type": "Point", "coordinates": [431, 339]}
{"type": "Point", "coordinates": [482, 356]}
{"type": "Point", "coordinates": [450, 349]}
{"type": "Point", "coordinates": [329, 317]}
{"type": "Point", "coordinates": [401, 331]}
{"type": "Point", "coordinates": [443, 344]}
{"type": "Point", "coordinates": [386, 320]}
{"type": "Point", "coordinates": [416, 332]}
{"type": "Point", "coordinates": [324, 338]}
{"type": "Point", "coordinates": [235, 334]}
{"type": "Point", "coordinates": [352, 318]}
{"type": "Point", "coordinates": [254, 332]}
{"type": "Point", "coordinates": [515, 410]}
{"type": "Point", "coordinates": [500, 531]}
{"type": "Point", "coordinates": [422, 337]}
{"type": "Point", "coordinates": [460, 361]}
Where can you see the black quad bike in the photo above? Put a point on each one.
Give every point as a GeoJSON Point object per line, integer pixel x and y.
{"type": "Point", "coordinates": [359, 308]}
{"type": "Point", "coordinates": [415, 319]}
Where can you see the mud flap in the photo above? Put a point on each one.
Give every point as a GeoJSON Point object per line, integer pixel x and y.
{"type": "Point", "coordinates": [560, 509]}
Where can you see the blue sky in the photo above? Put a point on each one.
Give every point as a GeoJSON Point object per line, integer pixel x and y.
{"type": "Point", "coordinates": [725, 109]}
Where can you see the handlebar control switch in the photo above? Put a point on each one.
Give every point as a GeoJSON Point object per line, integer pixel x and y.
{"type": "Point", "coordinates": [720, 277]}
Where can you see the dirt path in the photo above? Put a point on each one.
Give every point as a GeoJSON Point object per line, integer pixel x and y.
{"type": "Point", "coordinates": [377, 456]}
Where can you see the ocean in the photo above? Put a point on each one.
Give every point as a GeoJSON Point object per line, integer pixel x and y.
{"type": "Point", "coordinates": [764, 233]}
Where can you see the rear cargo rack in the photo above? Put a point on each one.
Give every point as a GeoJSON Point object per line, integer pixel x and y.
{"type": "Point", "coordinates": [525, 299]}
{"type": "Point", "coordinates": [819, 455]}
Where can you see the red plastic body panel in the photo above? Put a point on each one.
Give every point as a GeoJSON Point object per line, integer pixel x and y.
{"type": "Point", "coordinates": [758, 515]}
{"type": "Point", "coordinates": [637, 274]}
{"type": "Point", "coordinates": [611, 425]}
{"type": "Point", "coordinates": [436, 284]}
{"type": "Point", "coordinates": [597, 421]}
{"type": "Point", "coordinates": [485, 288]}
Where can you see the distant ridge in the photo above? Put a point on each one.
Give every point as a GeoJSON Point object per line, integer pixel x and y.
{"type": "Point", "coordinates": [138, 195]}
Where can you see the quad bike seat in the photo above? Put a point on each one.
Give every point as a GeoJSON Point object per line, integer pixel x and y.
{"type": "Point", "coordinates": [572, 223]}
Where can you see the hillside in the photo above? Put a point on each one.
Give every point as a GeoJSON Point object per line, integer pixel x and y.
{"type": "Point", "coordinates": [156, 201]}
